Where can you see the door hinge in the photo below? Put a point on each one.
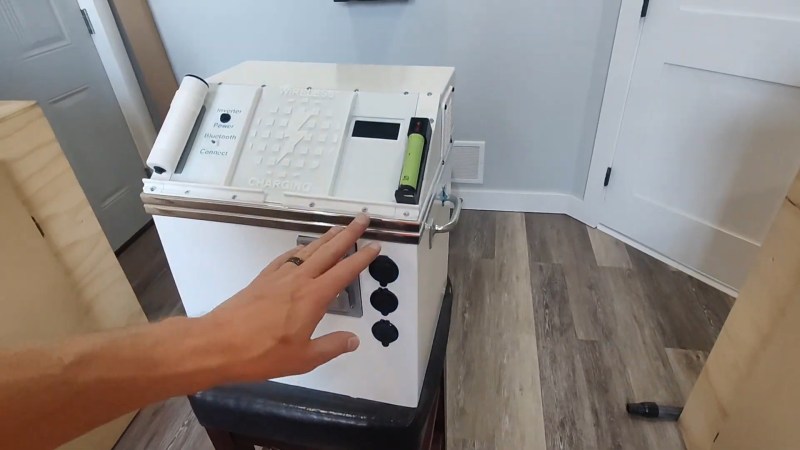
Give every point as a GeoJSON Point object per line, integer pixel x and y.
{"type": "Point", "coordinates": [607, 178]}
{"type": "Point", "coordinates": [645, 5]}
{"type": "Point", "coordinates": [87, 20]}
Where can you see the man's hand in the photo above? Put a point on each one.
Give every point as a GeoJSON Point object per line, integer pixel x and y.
{"type": "Point", "coordinates": [53, 392]}
{"type": "Point", "coordinates": [266, 328]}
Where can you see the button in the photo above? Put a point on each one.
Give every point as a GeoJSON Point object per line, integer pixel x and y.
{"type": "Point", "coordinates": [225, 118]}
{"type": "Point", "coordinates": [384, 270]}
{"type": "Point", "coordinates": [385, 332]}
{"type": "Point", "coordinates": [384, 301]}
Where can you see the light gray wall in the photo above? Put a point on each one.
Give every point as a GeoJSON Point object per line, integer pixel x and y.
{"type": "Point", "coordinates": [530, 73]}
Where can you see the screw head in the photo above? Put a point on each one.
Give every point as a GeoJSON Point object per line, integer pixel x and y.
{"type": "Point", "coordinates": [364, 209]}
{"type": "Point", "coordinates": [430, 94]}
{"type": "Point", "coordinates": [356, 90]}
{"type": "Point", "coordinates": [152, 189]}
{"type": "Point", "coordinates": [312, 204]}
{"type": "Point", "coordinates": [234, 196]}
{"type": "Point", "coordinates": [308, 88]}
{"type": "Point", "coordinates": [406, 214]}
{"type": "Point", "coordinates": [186, 191]}
{"type": "Point", "coordinates": [405, 93]}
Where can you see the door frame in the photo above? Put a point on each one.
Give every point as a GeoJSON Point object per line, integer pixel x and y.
{"type": "Point", "coordinates": [615, 96]}
{"type": "Point", "coordinates": [620, 73]}
{"type": "Point", "coordinates": [147, 54]}
{"type": "Point", "coordinates": [117, 64]}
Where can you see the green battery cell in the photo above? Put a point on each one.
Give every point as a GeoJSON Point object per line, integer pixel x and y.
{"type": "Point", "coordinates": [413, 161]}
{"type": "Point", "coordinates": [419, 138]}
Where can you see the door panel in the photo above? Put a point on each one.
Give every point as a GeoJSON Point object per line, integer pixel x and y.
{"type": "Point", "coordinates": [38, 30]}
{"type": "Point", "coordinates": [708, 138]}
{"type": "Point", "coordinates": [778, 9]}
{"type": "Point", "coordinates": [48, 56]}
{"type": "Point", "coordinates": [709, 141]}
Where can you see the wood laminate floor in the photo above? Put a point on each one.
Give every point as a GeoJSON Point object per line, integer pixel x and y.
{"type": "Point", "coordinates": [555, 327]}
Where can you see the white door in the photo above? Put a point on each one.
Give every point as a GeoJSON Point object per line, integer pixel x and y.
{"type": "Point", "coordinates": [710, 137]}
{"type": "Point", "coordinates": [47, 55]}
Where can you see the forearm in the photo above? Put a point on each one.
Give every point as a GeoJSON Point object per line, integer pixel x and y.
{"type": "Point", "coordinates": [81, 383]}
{"type": "Point", "coordinates": [51, 394]}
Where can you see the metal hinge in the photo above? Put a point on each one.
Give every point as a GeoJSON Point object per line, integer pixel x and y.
{"type": "Point", "coordinates": [645, 5]}
{"type": "Point", "coordinates": [607, 178]}
{"type": "Point", "coordinates": [87, 20]}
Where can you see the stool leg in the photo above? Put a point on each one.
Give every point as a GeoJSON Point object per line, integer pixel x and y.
{"type": "Point", "coordinates": [223, 440]}
{"type": "Point", "coordinates": [440, 426]}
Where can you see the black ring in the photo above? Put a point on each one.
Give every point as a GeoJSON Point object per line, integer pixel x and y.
{"type": "Point", "coordinates": [295, 260]}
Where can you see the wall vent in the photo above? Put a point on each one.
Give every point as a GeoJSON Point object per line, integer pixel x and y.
{"type": "Point", "coordinates": [467, 161]}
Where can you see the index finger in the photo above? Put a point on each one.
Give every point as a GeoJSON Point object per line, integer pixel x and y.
{"type": "Point", "coordinates": [331, 283]}
{"type": "Point", "coordinates": [332, 251]}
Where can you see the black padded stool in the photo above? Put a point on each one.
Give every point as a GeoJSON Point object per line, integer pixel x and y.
{"type": "Point", "coordinates": [284, 417]}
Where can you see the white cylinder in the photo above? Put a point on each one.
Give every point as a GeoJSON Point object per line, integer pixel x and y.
{"type": "Point", "coordinates": [178, 125]}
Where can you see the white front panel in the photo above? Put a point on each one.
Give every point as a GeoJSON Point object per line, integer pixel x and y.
{"type": "Point", "coordinates": [710, 138]}
{"type": "Point", "coordinates": [212, 261]}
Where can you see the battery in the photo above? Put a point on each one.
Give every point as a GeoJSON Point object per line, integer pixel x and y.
{"type": "Point", "coordinates": [412, 163]}
{"type": "Point", "coordinates": [419, 133]}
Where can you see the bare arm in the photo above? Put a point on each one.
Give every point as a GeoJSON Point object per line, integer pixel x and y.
{"type": "Point", "coordinates": [50, 394]}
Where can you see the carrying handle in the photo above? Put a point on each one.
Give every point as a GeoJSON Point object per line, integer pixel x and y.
{"type": "Point", "coordinates": [457, 203]}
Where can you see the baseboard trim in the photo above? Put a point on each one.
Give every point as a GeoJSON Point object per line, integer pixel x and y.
{"type": "Point", "coordinates": [685, 269]}
{"type": "Point", "coordinates": [515, 201]}
{"type": "Point", "coordinates": [559, 203]}
{"type": "Point", "coordinates": [526, 201]}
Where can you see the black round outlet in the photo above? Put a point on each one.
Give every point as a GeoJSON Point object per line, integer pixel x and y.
{"type": "Point", "coordinates": [224, 117]}
{"type": "Point", "coordinates": [384, 270]}
{"type": "Point", "coordinates": [385, 332]}
{"type": "Point", "coordinates": [384, 301]}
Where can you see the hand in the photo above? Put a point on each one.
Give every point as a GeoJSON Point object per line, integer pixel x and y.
{"type": "Point", "coordinates": [266, 328]}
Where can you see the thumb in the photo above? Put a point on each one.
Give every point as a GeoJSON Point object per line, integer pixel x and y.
{"type": "Point", "coordinates": [325, 348]}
